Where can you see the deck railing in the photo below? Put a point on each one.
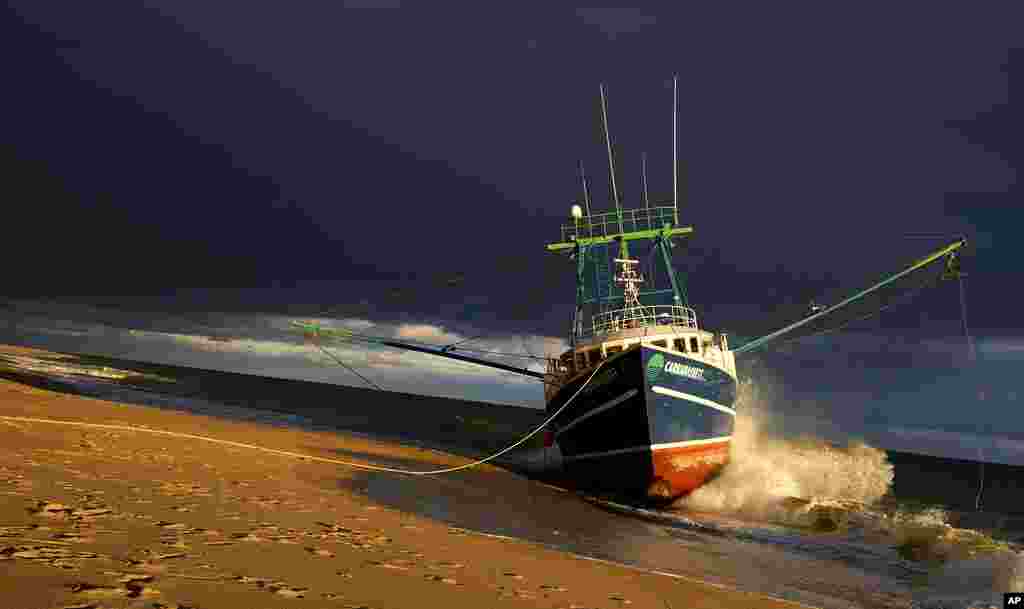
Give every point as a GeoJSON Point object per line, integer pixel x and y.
{"type": "Point", "coordinates": [618, 320]}
{"type": "Point", "coordinates": [607, 224]}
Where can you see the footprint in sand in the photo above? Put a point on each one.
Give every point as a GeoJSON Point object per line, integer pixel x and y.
{"type": "Point", "coordinates": [130, 589]}
{"type": "Point", "coordinates": [247, 537]}
{"type": "Point", "coordinates": [92, 513]}
{"type": "Point", "coordinates": [396, 565]}
{"type": "Point", "coordinates": [170, 525]}
{"type": "Point", "coordinates": [184, 489]}
{"type": "Point", "coordinates": [73, 538]}
{"type": "Point", "coordinates": [50, 509]}
{"type": "Point", "coordinates": [57, 557]}
{"type": "Point", "coordinates": [22, 487]}
{"type": "Point", "coordinates": [413, 553]}
{"type": "Point", "coordinates": [450, 565]}
{"type": "Point", "coordinates": [279, 588]}
{"type": "Point", "coordinates": [287, 591]}
{"type": "Point", "coordinates": [146, 565]}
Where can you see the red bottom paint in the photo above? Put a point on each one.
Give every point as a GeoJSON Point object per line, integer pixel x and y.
{"type": "Point", "coordinates": [679, 470]}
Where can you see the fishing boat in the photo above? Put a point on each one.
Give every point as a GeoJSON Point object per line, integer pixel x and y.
{"type": "Point", "coordinates": [644, 399]}
{"type": "Point", "coordinates": [658, 415]}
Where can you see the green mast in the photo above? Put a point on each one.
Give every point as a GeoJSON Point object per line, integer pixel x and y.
{"type": "Point", "coordinates": [589, 239]}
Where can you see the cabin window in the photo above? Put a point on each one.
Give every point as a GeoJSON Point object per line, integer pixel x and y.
{"type": "Point", "coordinates": [611, 350]}
{"type": "Point", "coordinates": [594, 355]}
{"type": "Point", "coordinates": [564, 363]}
{"type": "Point", "coordinates": [680, 345]}
{"type": "Point", "coordinates": [658, 343]}
{"type": "Point", "coordinates": [693, 345]}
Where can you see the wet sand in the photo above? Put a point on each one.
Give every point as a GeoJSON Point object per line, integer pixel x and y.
{"type": "Point", "coordinates": [111, 518]}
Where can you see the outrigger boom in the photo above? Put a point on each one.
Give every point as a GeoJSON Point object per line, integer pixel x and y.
{"type": "Point", "coordinates": [315, 331]}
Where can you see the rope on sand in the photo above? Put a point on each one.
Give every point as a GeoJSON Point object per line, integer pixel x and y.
{"type": "Point", "coordinates": [286, 453]}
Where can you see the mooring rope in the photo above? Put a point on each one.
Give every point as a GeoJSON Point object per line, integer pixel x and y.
{"type": "Point", "coordinates": [286, 453]}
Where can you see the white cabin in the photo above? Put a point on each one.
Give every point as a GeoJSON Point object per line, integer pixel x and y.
{"type": "Point", "coordinates": [616, 331]}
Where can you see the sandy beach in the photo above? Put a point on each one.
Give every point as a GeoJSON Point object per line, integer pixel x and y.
{"type": "Point", "coordinates": [107, 517]}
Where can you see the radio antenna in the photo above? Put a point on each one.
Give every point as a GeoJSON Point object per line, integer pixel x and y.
{"type": "Point", "coordinates": [611, 161]}
{"type": "Point", "coordinates": [586, 191]}
{"type": "Point", "coordinates": [675, 162]}
{"type": "Point", "coordinates": [643, 163]}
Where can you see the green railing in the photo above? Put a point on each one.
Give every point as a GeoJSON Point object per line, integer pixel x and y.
{"type": "Point", "coordinates": [607, 224]}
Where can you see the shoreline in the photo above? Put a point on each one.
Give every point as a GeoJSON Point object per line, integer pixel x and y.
{"type": "Point", "coordinates": [473, 429]}
{"type": "Point", "coordinates": [116, 518]}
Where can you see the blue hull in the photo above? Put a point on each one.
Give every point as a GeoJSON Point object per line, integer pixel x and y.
{"type": "Point", "coordinates": [651, 421]}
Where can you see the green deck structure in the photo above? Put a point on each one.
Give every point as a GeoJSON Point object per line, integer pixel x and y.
{"type": "Point", "coordinates": [591, 241]}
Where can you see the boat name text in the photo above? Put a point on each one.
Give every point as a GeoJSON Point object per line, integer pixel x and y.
{"type": "Point", "coordinates": [678, 369]}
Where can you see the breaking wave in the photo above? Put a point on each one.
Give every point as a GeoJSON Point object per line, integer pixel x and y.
{"type": "Point", "coordinates": [766, 471]}
{"type": "Point", "coordinates": [817, 487]}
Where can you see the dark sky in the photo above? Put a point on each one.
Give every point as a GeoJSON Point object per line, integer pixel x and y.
{"type": "Point", "coordinates": [330, 155]}
{"type": "Point", "coordinates": [403, 164]}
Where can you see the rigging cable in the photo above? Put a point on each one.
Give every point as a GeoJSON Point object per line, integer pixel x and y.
{"type": "Point", "coordinates": [451, 347]}
{"type": "Point", "coordinates": [286, 453]}
{"type": "Point", "coordinates": [971, 353]}
{"type": "Point", "coordinates": [347, 367]}
{"type": "Point", "coordinates": [972, 356]}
